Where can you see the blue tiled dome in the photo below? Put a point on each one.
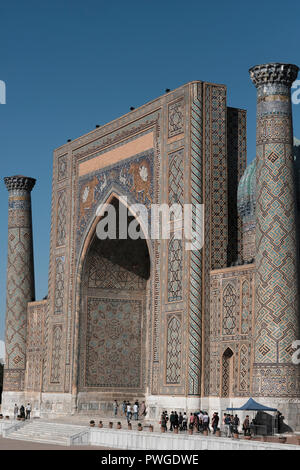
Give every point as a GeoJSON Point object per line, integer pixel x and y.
{"type": "Point", "coordinates": [246, 193]}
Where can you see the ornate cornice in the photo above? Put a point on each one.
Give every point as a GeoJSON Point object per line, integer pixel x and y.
{"type": "Point", "coordinates": [284, 74]}
{"type": "Point", "coordinates": [19, 183]}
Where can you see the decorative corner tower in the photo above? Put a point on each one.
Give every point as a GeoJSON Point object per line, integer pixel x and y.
{"type": "Point", "coordinates": [276, 285]}
{"type": "Point", "coordinates": [20, 280]}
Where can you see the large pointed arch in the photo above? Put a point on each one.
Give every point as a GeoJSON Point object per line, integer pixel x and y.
{"type": "Point", "coordinates": [86, 244]}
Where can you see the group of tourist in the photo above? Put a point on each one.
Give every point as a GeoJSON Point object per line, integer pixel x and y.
{"type": "Point", "coordinates": [197, 421]}
{"type": "Point", "coordinates": [22, 412]}
{"type": "Point", "coordinates": [200, 422]}
{"type": "Point", "coordinates": [136, 410]}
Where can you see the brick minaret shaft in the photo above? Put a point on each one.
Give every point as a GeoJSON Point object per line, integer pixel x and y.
{"type": "Point", "coordinates": [276, 303]}
{"type": "Point", "coordinates": [20, 278]}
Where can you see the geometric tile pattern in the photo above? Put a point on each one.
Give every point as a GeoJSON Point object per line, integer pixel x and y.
{"type": "Point", "coordinates": [176, 118]}
{"type": "Point", "coordinates": [35, 345]}
{"type": "Point", "coordinates": [62, 167]}
{"type": "Point", "coordinates": [215, 200]}
{"type": "Point", "coordinates": [276, 380]}
{"type": "Point", "coordinates": [175, 191]}
{"type": "Point", "coordinates": [231, 306]}
{"type": "Point", "coordinates": [61, 218]}
{"type": "Point", "coordinates": [236, 157]}
{"type": "Point", "coordinates": [104, 274]}
{"type": "Point", "coordinates": [112, 316]}
{"type": "Point", "coordinates": [276, 325]}
{"type": "Point", "coordinates": [20, 275]}
{"type": "Point", "coordinates": [173, 368]}
{"type": "Point", "coordinates": [229, 309]}
{"type": "Point", "coordinates": [218, 177]}
{"type": "Point", "coordinates": [227, 360]}
{"type": "Point", "coordinates": [195, 331]}
{"type": "Point", "coordinates": [56, 356]}
{"type": "Point", "coordinates": [244, 375]}
{"type": "Point", "coordinates": [246, 313]}
{"type": "Point", "coordinates": [114, 337]}
{"type": "Point", "coordinates": [59, 285]}
{"type": "Point", "coordinates": [175, 266]}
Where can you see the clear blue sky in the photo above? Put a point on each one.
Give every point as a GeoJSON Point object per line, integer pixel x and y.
{"type": "Point", "coordinates": [69, 65]}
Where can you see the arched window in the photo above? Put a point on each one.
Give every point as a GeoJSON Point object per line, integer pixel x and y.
{"type": "Point", "coordinates": [227, 373]}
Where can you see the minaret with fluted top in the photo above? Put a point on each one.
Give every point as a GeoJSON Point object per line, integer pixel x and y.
{"type": "Point", "coordinates": [20, 279]}
{"type": "Point", "coordinates": [276, 289]}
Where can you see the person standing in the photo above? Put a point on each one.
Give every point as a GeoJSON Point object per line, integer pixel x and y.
{"type": "Point", "coordinates": [192, 421]}
{"type": "Point", "coordinates": [236, 423]}
{"type": "Point", "coordinates": [246, 426]}
{"type": "Point", "coordinates": [176, 420]}
{"type": "Point", "coordinates": [28, 411]}
{"type": "Point", "coordinates": [279, 421]}
{"type": "Point", "coordinates": [184, 422]}
{"type": "Point", "coordinates": [16, 411]}
{"type": "Point", "coordinates": [180, 420]}
{"type": "Point", "coordinates": [115, 407]}
{"type": "Point", "coordinates": [172, 420]}
{"type": "Point", "coordinates": [22, 412]}
{"type": "Point", "coordinates": [163, 421]}
{"type": "Point", "coordinates": [215, 422]}
{"type": "Point", "coordinates": [227, 423]}
{"type": "Point", "coordinates": [166, 418]}
{"type": "Point", "coordinates": [143, 409]}
{"type": "Point", "coordinates": [124, 406]}
{"type": "Point", "coordinates": [135, 411]}
{"type": "Point", "coordinates": [129, 412]}
{"type": "Point", "coordinates": [200, 420]}
{"type": "Point", "coordinates": [205, 421]}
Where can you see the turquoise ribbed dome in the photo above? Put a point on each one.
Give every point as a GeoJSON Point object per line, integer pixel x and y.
{"type": "Point", "coordinates": [246, 193]}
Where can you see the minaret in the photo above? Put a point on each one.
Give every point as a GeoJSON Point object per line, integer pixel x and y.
{"type": "Point", "coordinates": [276, 302]}
{"type": "Point", "coordinates": [20, 279]}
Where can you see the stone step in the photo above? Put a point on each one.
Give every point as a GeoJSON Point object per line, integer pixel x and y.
{"type": "Point", "coordinates": [49, 432]}
{"type": "Point", "coordinates": [45, 432]}
{"type": "Point", "coordinates": [42, 440]}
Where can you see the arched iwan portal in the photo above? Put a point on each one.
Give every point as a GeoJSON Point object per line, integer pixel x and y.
{"type": "Point", "coordinates": [113, 322]}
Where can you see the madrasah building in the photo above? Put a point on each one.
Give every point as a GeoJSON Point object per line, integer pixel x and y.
{"type": "Point", "coordinates": [147, 319]}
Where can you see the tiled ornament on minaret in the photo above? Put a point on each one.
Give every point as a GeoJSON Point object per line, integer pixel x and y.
{"type": "Point", "coordinates": [20, 278]}
{"type": "Point", "coordinates": [276, 304]}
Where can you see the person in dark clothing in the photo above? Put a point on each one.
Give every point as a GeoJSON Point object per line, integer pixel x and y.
{"type": "Point", "coordinates": [196, 422]}
{"type": "Point", "coordinates": [236, 423]}
{"type": "Point", "coordinates": [215, 422]}
{"type": "Point", "coordinates": [279, 419]}
{"type": "Point", "coordinates": [227, 422]}
{"type": "Point", "coordinates": [180, 421]}
{"type": "Point", "coordinates": [176, 420]}
{"type": "Point", "coordinates": [246, 426]}
{"type": "Point", "coordinates": [163, 421]}
{"type": "Point", "coordinates": [22, 411]}
{"type": "Point", "coordinates": [166, 416]}
{"type": "Point", "coordinates": [172, 420]}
